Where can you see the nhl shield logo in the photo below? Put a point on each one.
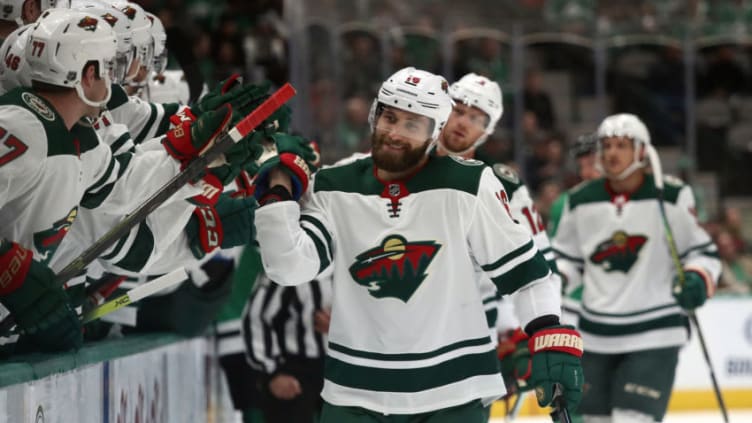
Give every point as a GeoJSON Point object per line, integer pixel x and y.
{"type": "Point", "coordinates": [394, 190]}
{"type": "Point", "coordinates": [394, 269]}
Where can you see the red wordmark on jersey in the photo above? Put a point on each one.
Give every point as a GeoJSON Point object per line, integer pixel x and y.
{"type": "Point", "coordinates": [15, 145]}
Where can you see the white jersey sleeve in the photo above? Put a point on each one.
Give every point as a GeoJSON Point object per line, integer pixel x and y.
{"type": "Point", "coordinates": [695, 247]}
{"type": "Point", "coordinates": [566, 246]}
{"type": "Point", "coordinates": [294, 253]}
{"type": "Point", "coordinates": [493, 234]}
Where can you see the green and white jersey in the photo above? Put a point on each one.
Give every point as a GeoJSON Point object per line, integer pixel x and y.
{"type": "Point", "coordinates": [408, 332]}
{"type": "Point", "coordinates": [523, 211]}
{"type": "Point", "coordinates": [142, 119]}
{"type": "Point", "coordinates": [615, 245]}
{"type": "Point", "coordinates": [48, 174]}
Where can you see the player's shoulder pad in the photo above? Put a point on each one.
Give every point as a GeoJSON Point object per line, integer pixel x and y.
{"type": "Point", "coordinates": [672, 187]}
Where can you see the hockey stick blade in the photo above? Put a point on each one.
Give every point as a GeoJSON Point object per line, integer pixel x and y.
{"type": "Point", "coordinates": [190, 173]}
{"type": "Point", "coordinates": [136, 294]}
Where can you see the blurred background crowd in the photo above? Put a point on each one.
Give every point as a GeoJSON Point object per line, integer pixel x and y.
{"type": "Point", "coordinates": [683, 66]}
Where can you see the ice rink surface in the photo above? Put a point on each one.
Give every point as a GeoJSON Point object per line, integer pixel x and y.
{"type": "Point", "coordinates": [735, 416]}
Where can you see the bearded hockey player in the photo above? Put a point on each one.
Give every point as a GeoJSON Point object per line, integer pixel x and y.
{"type": "Point", "coordinates": [403, 233]}
{"type": "Point", "coordinates": [51, 164]}
{"type": "Point", "coordinates": [610, 237]}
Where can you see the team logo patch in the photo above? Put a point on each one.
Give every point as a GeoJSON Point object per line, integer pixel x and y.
{"type": "Point", "coordinates": [466, 162]}
{"type": "Point", "coordinates": [88, 23]}
{"type": "Point", "coordinates": [505, 172]}
{"type": "Point", "coordinates": [47, 241]}
{"type": "Point", "coordinates": [129, 12]}
{"type": "Point", "coordinates": [394, 269]}
{"type": "Point", "coordinates": [36, 104]}
{"type": "Point", "coordinates": [110, 19]}
{"type": "Point", "coordinates": [619, 253]}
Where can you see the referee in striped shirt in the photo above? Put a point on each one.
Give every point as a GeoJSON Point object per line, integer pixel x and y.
{"type": "Point", "coordinates": [284, 330]}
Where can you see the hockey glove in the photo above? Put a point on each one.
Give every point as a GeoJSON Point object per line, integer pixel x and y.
{"type": "Point", "coordinates": [191, 137]}
{"type": "Point", "coordinates": [692, 293]}
{"type": "Point", "coordinates": [295, 156]}
{"type": "Point", "coordinates": [556, 352]}
{"type": "Point", "coordinates": [40, 307]}
{"type": "Point", "coordinates": [231, 90]}
{"type": "Point", "coordinates": [515, 360]}
{"type": "Point", "coordinates": [227, 224]}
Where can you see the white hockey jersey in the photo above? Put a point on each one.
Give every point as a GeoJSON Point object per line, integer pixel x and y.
{"type": "Point", "coordinates": [47, 172]}
{"type": "Point", "coordinates": [408, 332]}
{"type": "Point", "coordinates": [618, 244]}
{"type": "Point", "coordinates": [522, 208]}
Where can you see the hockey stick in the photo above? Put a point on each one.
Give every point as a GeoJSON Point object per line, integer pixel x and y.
{"type": "Point", "coordinates": [136, 294]}
{"type": "Point", "coordinates": [516, 407]}
{"type": "Point", "coordinates": [560, 413]}
{"type": "Point", "coordinates": [655, 164]}
{"type": "Point", "coordinates": [193, 171]}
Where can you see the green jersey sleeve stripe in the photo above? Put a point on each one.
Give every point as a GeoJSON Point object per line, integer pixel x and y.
{"type": "Point", "coordinates": [491, 317]}
{"type": "Point", "coordinates": [522, 274]}
{"type": "Point", "coordinates": [115, 146]}
{"type": "Point", "coordinates": [708, 245]}
{"type": "Point", "coordinates": [509, 257]}
{"type": "Point", "coordinates": [412, 380]}
{"type": "Point", "coordinates": [115, 250]}
{"type": "Point", "coordinates": [145, 130]}
{"type": "Point", "coordinates": [410, 356]}
{"type": "Point", "coordinates": [561, 255]}
{"type": "Point", "coordinates": [634, 313]}
{"type": "Point", "coordinates": [320, 226]}
{"type": "Point", "coordinates": [140, 251]}
{"type": "Point", "coordinates": [164, 124]}
{"type": "Point", "coordinates": [324, 259]}
{"type": "Point", "coordinates": [596, 328]}
{"type": "Point", "coordinates": [92, 200]}
{"type": "Point", "coordinates": [105, 176]}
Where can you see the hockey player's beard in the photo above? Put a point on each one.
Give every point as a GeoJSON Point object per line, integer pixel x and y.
{"type": "Point", "coordinates": [391, 162]}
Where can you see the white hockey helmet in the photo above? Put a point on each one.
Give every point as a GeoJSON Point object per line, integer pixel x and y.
{"type": "Point", "coordinates": [141, 27]}
{"type": "Point", "coordinates": [628, 126]}
{"type": "Point", "coordinates": [417, 91]}
{"type": "Point", "coordinates": [13, 69]}
{"type": "Point", "coordinates": [12, 10]}
{"type": "Point", "coordinates": [478, 91]}
{"type": "Point", "coordinates": [159, 36]}
{"type": "Point", "coordinates": [120, 23]}
{"type": "Point", "coordinates": [62, 42]}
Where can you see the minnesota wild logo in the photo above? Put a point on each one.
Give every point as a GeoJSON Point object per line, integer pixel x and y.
{"type": "Point", "coordinates": [46, 242]}
{"type": "Point", "coordinates": [394, 269]}
{"type": "Point", "coordinates": [620, 252]}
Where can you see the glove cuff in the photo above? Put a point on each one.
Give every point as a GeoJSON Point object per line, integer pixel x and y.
{"type": "Point", "coordinates": [15, 263]}
{"type": "Point", "coordinates": [210, 233]}
{"type": "Point", "coordinates": [300, 170]}
{"type": "Point", "coordinates": [557, 338]}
